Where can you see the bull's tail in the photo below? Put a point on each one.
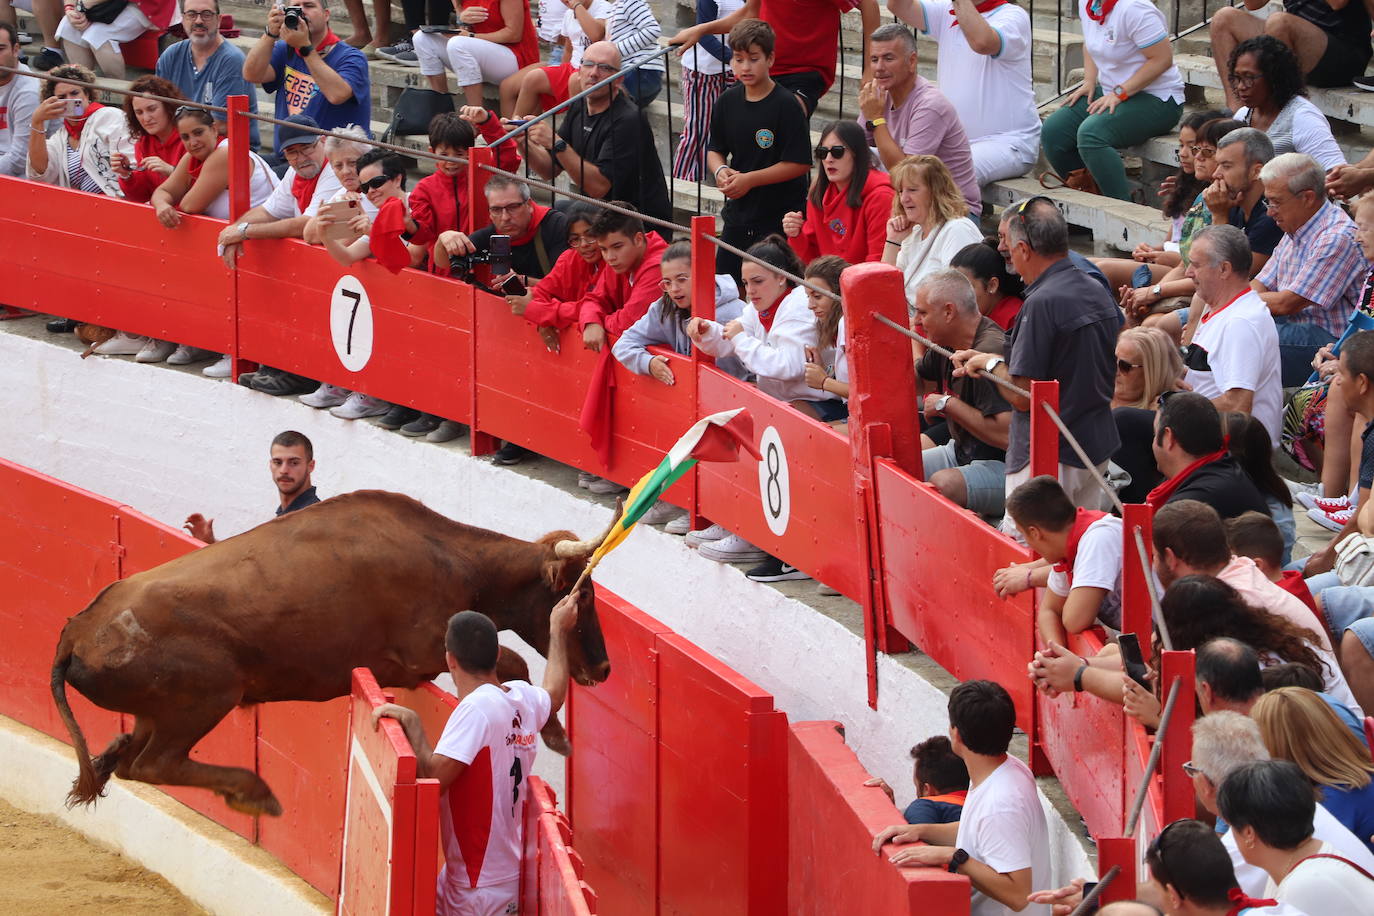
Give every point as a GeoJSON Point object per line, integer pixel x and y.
{"type": "Point", "coordinates": [88, 785]}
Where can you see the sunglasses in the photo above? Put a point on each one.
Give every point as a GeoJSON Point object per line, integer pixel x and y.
{"type": "Point", "coordinates": [834, 152]}
{"type": "Point", "coordinates": [1203, 152]}
{"type": "Point", "coordinates": [375, 182]}
{"type": "Point", "coordinates": [1123, 367]}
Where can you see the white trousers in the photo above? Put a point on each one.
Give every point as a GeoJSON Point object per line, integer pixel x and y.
{"type": "Point", "coordinates": [493, 900]}
{"type": "Point", "coordinates": [472, 60]}
{"type": "Point", "coordinates": [128, 25]}
{"type": "Point", "coordinates": [996, 158]}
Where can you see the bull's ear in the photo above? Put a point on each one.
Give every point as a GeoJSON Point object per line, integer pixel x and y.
{"type": "Point", "coordinates": [558, 575]}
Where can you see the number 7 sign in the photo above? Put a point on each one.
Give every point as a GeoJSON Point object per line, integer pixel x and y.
{"type": "Point", "coordinates": [350, 323]}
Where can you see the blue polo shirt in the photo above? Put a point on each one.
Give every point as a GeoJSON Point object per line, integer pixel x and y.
{"type": "Point", "coordinates": [304, 498]}
{"type": "Point", "coordinates": [221, 77]}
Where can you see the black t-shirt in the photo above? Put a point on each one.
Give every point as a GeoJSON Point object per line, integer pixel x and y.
{"type": "Point", "coordinates": [620, 143]}
{"type": "Point", "coordinates": [524, 259]}
{"type": "Point", "coordinates": [1367, 457]}
{"type": "Point", "coordinates": [1224, 486]}
{"type": "Point", "coordinates": [1066, 330]}
{"type": "Point", "coordinates": [1259, 227]}
{"type": "Point", "coordinates": [1136, 456]}
{"type": "Point", "coordinates": [306, 497]}
{"type": "Point", "coordinates": [1350, 23]}
{"type": "Point", "coordinates": [754, 135]}
{"type": "Point", "coordinates": [978, 392]}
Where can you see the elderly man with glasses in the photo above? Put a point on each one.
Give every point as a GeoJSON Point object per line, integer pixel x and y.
{"type": "Point", "coordinates": [204, 66]}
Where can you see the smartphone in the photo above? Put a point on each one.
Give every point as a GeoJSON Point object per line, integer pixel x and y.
{"type": "Point", "coordinates": [341, 213]}
{"type": "Point", "coordinates": [516, 123]}
{"type": "Point", "coordinates": [439, 29]}
{"type": "Point", "coordinates": [75, 107]}
{"type": "Point", "coordinates": [513, 286]}
{"type": "Point", "coordinates": [1131, 660]}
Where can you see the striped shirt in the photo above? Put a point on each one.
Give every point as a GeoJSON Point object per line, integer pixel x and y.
{"type": "Point", "coordinates": [1322, 263]}
{"type": "Point", "coordinates": [77, 177]}
{"type": "Point", "coordinates": [635, 32]}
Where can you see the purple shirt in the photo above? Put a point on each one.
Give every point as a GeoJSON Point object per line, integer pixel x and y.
{"type": "Point", "coordinates": [928, 124]}
{"type": "Point", "coordinates": [1323, 263]}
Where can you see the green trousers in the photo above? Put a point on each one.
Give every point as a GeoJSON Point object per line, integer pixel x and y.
{"type": "Point", "coordinates": [1073, 139]}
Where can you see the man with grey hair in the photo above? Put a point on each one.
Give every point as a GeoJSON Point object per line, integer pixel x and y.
{"type": "Point", "coordinates": [1236, 196]}
{"type": "Point", "coordinates": [970, 469]}
{"type": "Point", "coordinates": [1233, 360]}
{"type": "Point", "coordinates": [1225, 741]}
{"type": "Point", "coordinates": [1066, 331]}
{"type": "Point", "coordinates": [204, 66]}
{"type": "Point", "coordinates": [904, 114]}
{"type": "Point", "coordinates": [1312, 283]}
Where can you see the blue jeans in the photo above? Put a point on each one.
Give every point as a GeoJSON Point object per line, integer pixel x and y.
{"type": "Point", "coordinates": [1298, 343]}
{"type": "Point", "coordinates": [644, 86]}
{"type": "Point", "coordinates": [985, 480]}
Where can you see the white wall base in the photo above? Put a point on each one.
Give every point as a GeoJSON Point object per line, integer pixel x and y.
{"type": "Point", "coordinates": [170, 443]}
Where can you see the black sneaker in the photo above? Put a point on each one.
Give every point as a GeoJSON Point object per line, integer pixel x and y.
{"type": "Point", "coordinates": [399, 415]}
{"type": "Point", "coordinates": [510, 453]}
{"type": "Point", "coordinates": [775, 570]}
{"type": "Point", "coordinates": [280, 383]}
{"type": "Point", "coordinates": [46, 59]}
{"type": "Point", "coordinates": [1364, 82]}
{"type": "Point", "coordinates": [61, 326]}
{"type": "Point", "coordinates": [422, 425]}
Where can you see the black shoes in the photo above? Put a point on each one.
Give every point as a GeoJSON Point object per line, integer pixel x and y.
{"type": "Point", "coordinates": [510, 453]}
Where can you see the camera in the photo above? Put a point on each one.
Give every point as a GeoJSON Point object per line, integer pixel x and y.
{"type": "Point", "coordinates": [497, 257]}
{"type": "Point", "coordinates": [292, 16]}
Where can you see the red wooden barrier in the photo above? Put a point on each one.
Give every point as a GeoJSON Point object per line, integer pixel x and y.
{"type": "Point", "coordinates": [551, 873]}
{"type": "Point", "coordinates": [832, 819]}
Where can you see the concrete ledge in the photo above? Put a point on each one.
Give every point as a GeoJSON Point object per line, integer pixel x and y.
{"type": "Point", "coordinates": [1113, 223]}
{"type": "Point", "coordinates": [210, 865]}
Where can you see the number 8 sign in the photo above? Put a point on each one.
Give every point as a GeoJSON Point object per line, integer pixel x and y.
{"type": "Point", "coordinates": [775, 489]}
{"type": "Point", "coordinates": [350, 323]}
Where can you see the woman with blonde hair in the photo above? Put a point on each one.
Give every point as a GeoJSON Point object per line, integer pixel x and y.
{"type": "Point", "coordinates": [929, 223]}
{"type": "Point", "coordinates": [1300, 726]}
{"type": "Point", "coordinates": [1147, 365]}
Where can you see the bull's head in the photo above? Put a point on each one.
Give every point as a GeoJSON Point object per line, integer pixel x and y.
{"type": "Point", "coordinates": [587, 659]}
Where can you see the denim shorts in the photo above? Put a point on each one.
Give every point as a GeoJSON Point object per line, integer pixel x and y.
{"type": "Point", "coordinates": [986, 480]}
{"type": "Point", "coordinates": [830, 410]}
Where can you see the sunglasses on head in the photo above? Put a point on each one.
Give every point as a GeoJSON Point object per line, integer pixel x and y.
{"type": "Point", "coordinates": [834, 152]}
{"type": "Point", "coordinates": [375, 182]}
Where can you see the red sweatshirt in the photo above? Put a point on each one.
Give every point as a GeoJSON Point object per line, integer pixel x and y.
{"type": "Point", "coordinates": [619, 300]}
{"type": "Point", "coordinates": [139, 186]}
{"type": "Point", "coordinates": [557, 297]}
{"type": "Point", "coordinates": [837, 228]}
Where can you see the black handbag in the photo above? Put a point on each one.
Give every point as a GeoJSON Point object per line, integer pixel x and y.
{"type": "Point", "coordinates": [104, 13]}
{"type": "Point", "coordinates": [414, 109]}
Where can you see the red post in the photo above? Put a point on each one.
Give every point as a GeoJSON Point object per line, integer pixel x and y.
{"type": "Point", "coordinates": [1117, 851]}
{"type": "Point", "coordinates": [1178, 740]}
{"type": "Point", "coordinates": [703, 306]}
{"type": "Point", "coordinates": [1136, 612]}
{"type": "Point", "coordinates": [477, 176]}
{"type": "Point", "coordinates": [239, 163]}
{"type": "Point", "coordinates": [1044, 435]}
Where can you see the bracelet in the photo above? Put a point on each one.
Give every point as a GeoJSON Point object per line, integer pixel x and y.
{"type": "Point", "coordinates": [718, 168]}
{"type": "Point", "coordinates": [897, 244]}
{"type": "Point", "coordinates": [1028, 579]}
{"type": "Point", "coordinates": [1078, 678]}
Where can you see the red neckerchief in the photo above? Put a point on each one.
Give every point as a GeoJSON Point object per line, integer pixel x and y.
{"type": "Point", "coordinates": [1105, 10]}
{"type": "Point", "coordinates": [1241, 902]}
{"type": "Point", "coordinates": [75, 132]}
{"type": "Point", "coordinates": [304, 188]}
{"type": "Point", "coordinates": [194, 168]}
{"type": "Point", "coordinates": [985, 7]}
{"type": "Point", "coordinates": [1081, 520]}
{"type": "Point", "coordinates": [540, 212]}
{"type": "Point", "coordinates": [767, 318]}
{"type": "Point", "coordinates": [327, 42]}
{"type": "Point", "coordinates": [1160, 494]}
{"type": "Point", "coordinates": [1215, 312]}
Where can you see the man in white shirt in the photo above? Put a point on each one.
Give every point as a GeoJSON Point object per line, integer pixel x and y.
{"type": "Point", "coordinates": [483, 758]}
{"type": "Point", "coordinates": [1001, 842]}
{"type": "Point", "coordinates": [18, 99]}
{"type": "Point", "coordinates": [984, 69]}
{"type": "Point", "coordinates": [1233, 360]}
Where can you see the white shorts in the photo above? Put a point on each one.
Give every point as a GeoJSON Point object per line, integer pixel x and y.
{"type": "Point", "coordinates": [494, 900]}
{"type": "Point", "coordinates": [997, 159]}
{"type": "Point", "coordinates": [25, 5]}
{"type": "Point", "coordinates": [472, 60]}
{"type": "Point", "coordinates": [128, 25]}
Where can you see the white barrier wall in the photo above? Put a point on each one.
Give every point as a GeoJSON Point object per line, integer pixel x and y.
{"type": "Point", "coordinates": [170, 443]}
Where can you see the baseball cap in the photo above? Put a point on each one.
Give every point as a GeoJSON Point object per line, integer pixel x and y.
{"type": "Point", "coordinates": [290, 135]}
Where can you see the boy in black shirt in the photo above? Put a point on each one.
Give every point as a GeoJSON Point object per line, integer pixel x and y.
{"type": "Point", "coordinates": [762, 131]}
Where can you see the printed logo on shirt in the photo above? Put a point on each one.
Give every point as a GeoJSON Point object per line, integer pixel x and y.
{"type": "Point", "coordinates": [837, 227]}
{"type": "Point", "coordinates": [1111, 34]}
{"type": "Point", "coordinates": [299, 88]}
{"type": "Point", "coordinates": [763, 137]}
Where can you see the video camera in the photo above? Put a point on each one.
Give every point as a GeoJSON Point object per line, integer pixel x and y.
{"type": "Point", "coordinates": [497, 257]}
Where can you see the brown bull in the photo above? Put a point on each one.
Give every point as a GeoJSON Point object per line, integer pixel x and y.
{"type": "Point", "coordinates": [286, 611]}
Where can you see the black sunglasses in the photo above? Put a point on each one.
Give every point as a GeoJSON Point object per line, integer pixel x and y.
{"type": "Point", "coordinates": [1123, 367]}
{"type": "Point", "coordinates": [835, 152]}
{"type": "Point", "coordinates": [375, 182]}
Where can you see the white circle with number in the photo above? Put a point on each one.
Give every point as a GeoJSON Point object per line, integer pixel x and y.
{"type": "Point", "coordinates": [775, 487]}
{"type": "Point", "coordinates": [350, 323]}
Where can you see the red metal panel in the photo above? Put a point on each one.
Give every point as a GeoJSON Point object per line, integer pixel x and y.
{"type": "Point", "coordinates": [831, 821]}
{"type": "Point", "coordinates": [721, 800]}
{"type": "Point", "coordinates": [426, 869]}
{"type": "Point", "coordinates": [231, 743]}
{"type": "Point", "coordinates": [1178, 741]}
{"type": "Point", "coordinates": [421, 340]}
{"type": "Point", "coordinates": [148, 543]}
{"type": "Point", "coordinates": [819, 531]}
{"type": "Point", "coordinates": [938, 561]}
{"type": "Point", "coordinates": [303, 754]}
{"type": "Point", "coordinates": [109, 261]}
{"type": "Point", "coordinates": [1118, 851]}
{"type": "Point", "coordinates": [562, 892]}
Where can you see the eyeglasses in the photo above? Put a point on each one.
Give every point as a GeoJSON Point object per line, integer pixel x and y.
{"type": "Point", "coordinates": [207, 15]}
{"type": "Point", "coordinates": [1203, 152]}
{"type": "Point", "coordinates": [375, 182]}
{"type": "Point", "coordinates": [1192, 770]}
{"type": "Point", "coordinates": [1123, 367]}
{"type": "Point", "coordinates": [834, 152]}
{"type": "Point", "coordinates": [506, 210]}
{"type": "Point", "coordinates": [1244, 79]}
{"type": "Point", "coordinates": [668, 283]}
{"type": "Point", "coordinates": [599, 68]}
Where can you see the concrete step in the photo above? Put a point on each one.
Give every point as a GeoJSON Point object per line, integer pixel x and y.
{"type": "Point", "coordinates": [1114, 224]}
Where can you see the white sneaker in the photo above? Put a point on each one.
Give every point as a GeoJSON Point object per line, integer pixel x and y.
{"type": "Point", "coordinates": [584, 479]}
{"type": "Point", "coordinates": [1331, 521]}
{"type": "Point", "coordinates": [680, 525]}
{"type": "Point", "coordinates": [359, 405]}
{"type": "Point", "coordinates": [661, 512]}
{"type": "Point", "coordinates": [1334, 504]}
{"type": "Point", "coordinates": [155, 351]}
{"type": "Point", "coordinates": [606, 487]}
{"type": "Point", "coordinates": [121, 345]}
{"type": "Point", "coordinates": [732, 549]}
{"type": "Point", "coordinates": [220, 368]}
{"type": "Point", "coordinates": [185, 354]}
{"type": "Point", "coordinates": [706, 535]}
{"type": "Point", "coordinates": [326, 395]}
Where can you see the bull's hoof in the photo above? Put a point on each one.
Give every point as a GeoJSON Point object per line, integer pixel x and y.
{"type": "Point", "coordinates": [254, 806]}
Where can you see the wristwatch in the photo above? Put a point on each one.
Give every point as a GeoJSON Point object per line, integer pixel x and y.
{"type": "Point", "coordinates": [1121, 93]}
{"type": "Point", "coordinates": [305, 51]}
{"type": "Point", "coordinates": [993, 364]}
{"type": "Point", "coordinates": [940, 403]}
{"type": "Point", "coordinates": [559, 145]}
{"type": "Point", "coordinates": [875, 124]}
{"type": "Point", "coordinates": [1155, 291]}
{"type": "Point", "coordinates": [243, 231]}
{"type": "Point", "coordinates": [957, 861]}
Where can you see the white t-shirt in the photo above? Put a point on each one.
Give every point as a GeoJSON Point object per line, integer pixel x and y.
{"type": "Point", "coordinates": [1003, 826]}
{"type": "Point", "coordinates": [1307, 131]}
{"type": "Point", "coordinates": [993, 93]}
{"type": "Point", "coordinates": [599, 9]}
{"type": "Point", "coordinates": [1118, 45]}
{"type": "Point", "coordinates": [1096, 565]}
{"type": "Point", "coordinates": [698, 58]}
{"type": "Point", "coordinates": [261, 186]}
{"type": "Point", "coordinates": [1255, 880]}
{"type": "Point", "coordinates": [1322, 886]}
{"type": "Point", "coordinates": [496, 733]}
{"type": "Point", "coordinates": [1242, 345]}
{"type": "Point", "coordinates": [282, 203]}
{"type": "Point", "coordinates": [550, 21]}
{"type": "Point", "coordinates": [943, 245]}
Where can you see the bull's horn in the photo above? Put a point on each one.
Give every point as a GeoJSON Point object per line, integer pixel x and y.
{"type": "Point", "coordinates": [566, 550]}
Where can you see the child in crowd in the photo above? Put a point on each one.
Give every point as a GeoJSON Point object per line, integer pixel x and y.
{"type": "Point", "coordinates": [941, 783]}
{"type": "Point", "coordinates": [849, 204]}
{"type": "Point", "coordinates": [1257, 536]}
{"type": "Point", "coordinates": [997, 289]}
{"type": "Point", "coordinates": [553, 303]}
{"type": "Point", "coordinates": [757, 153]}
{"type": "Point", "coordinates": [705, 75]}
{"type": "Point", "coordinates": [827, 366]}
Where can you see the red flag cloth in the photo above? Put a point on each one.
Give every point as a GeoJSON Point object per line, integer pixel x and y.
{"type": "Point", "coordinates": [597, 408]}
{"type": "Point", "coordinates": [1292, 582]}
{"type": "Point", "coordinates": [385, 237]}
{"type": "Point", "coordinates": [722, 443]}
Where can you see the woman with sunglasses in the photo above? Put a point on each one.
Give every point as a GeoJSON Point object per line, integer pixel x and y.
{"type": "Point", "coordinates": [1265, 76]}
{"type": "Point", "coordinates": [382, 180]}
{"type": "Point", "coordinates": [77, 155]}
{"type": "Point", "coordinates": [849, 204]}
{"type": "Point", "coordinates": [1147, 365]}
{"type": "Point", "coordinates": [157, 145]}
{"type": "Point", "coordinates": [929, 222]}
{"type": "Point", "coordinates": [200, 181]}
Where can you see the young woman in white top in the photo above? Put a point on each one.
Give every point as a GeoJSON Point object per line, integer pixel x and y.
{"type": "Point", "coordinates": [77, 155]}
{"type": "Point", "coordinates": [827, 365]}
{"type": "Point", "coordinates": [1265, 75]}
{"type": "Point", "coordinates": [929, 221]}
